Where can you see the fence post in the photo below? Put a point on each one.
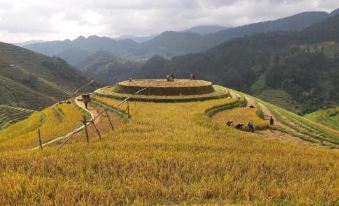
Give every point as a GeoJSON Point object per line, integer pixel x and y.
{"type": "Point", "coordinates": [96, 129]}
{"type": "Point", "coordinates": [109, 119]}
{"type": "Point", "coordinates": [86, 132]}
{"type": "Point", "coordinates": [128, 111]}
{"type": "Point", "coordinates": [40, 140]}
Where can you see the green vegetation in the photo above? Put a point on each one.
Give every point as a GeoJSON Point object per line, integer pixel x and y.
{"type": "Point", "coordinates": [302, 66]}
{"type": "Point", "coordinates": [327, 117]}
{"type": "Point", "coordinates": [10, 115]}
{"type": "Point", "coordinates": [107, 69]}
{"type": "Point", "coordinates": [34, 81]}
{"type": "Point", "coordinates": [303, 128]}
{"type": "Point", "coordinates": [279, 98]}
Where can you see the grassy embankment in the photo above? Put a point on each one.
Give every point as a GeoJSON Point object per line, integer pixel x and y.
{"type": "Point", "coordinates": [327, 117]}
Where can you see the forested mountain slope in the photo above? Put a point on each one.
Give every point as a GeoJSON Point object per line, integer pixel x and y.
{"type": "Point", "coordinates": [31, 80]}
{"type": "Point", "coordinates": [304, 64]}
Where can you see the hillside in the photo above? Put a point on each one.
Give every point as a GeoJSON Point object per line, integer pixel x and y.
{"type": "Point", "coordinates": [10, 115]}
{"type": "Point", "coordinates": [107, 69]}
{"type": "Point", "coordinates": [159, 157]}
{"type": "Point", "coordinates": [33, 81]}
{"type": "Point", "coordinates": [303, 64]}
{"type": "Point", "coordinates": [207, 29]}
{"type": "Point", "coordinates": [169, 43]}
{"type": "Point", "coordinates": [327, 117]}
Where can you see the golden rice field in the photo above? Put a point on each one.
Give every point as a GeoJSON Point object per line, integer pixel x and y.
{"type": "Point", "coordinates": [53, 122]}
{"type": "Point", "coordinates": [241, 115]}
{"type": "Point", "coordinates": [167, 154]}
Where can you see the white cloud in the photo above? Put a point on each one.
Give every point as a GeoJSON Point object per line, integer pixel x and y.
{"type": "Point", "coordinates": [61, 19]}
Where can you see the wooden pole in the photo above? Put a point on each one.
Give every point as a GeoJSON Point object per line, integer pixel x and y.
{"type": "Point", "coordinates": [86, 132]}
{"type": "Point", "coordinates": [40, 140]}
{"type": "Point", "coordinates": [96, 129]}
{"type": "Point", "coordinates": [109, 120]}
{"type": "Point", "coordinates": [128, 111]}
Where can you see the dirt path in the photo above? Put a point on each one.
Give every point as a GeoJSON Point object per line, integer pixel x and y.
{"type": "Point", "coordinates": [94, 115]}
{"type": "Point", "coordinates": [90, 109]}
{"type": "Point", "coordinates": [272, 133]}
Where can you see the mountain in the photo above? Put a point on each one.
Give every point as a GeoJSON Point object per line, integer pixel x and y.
{"type": "Point", "coordinates": [80, 48]}
{"type": "Point", "coordinates": [335, 12]}
{"type": "Point", "coordinates": [138, 39]}
{"type": "Point", "coordinates": [107, 69]}
{"type": "Point", "coordinates": [168, 44]}
{"type": "Point", "coordinates": [208, 29]}
{"type": "Point", "coordinates": [32, 80]}
{"type": "Point", "coordinates": [293, 23]}
{"type": "Point", "coordinates": [26, 43]}
{"type": "Point", "coordinates": [298, 67]}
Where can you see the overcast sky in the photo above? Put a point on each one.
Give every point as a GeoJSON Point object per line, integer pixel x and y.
{"type": "Point", "coordinates": [23, 20]}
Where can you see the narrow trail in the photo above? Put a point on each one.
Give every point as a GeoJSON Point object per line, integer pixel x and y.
{"type": "Point", "coordinates": [273, 133]}
{"type": "Point", "coordinates": [94, 116]}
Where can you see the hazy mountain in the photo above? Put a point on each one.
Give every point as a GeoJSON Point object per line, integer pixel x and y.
{"type": "Point", "coordinates": [293, 23]}
{"type": "Point", "coordinates": [169, 44]}
{"type": "Point", "coordinates": [106, 68]}
{"type": "Point", "coordinates": [80, 48]}
{"type": "Point", "coordinates": [138, 39]}
{"type": "Point", "coordinates": [29, 42]}
{"type": "Point", "coordinates": [32, 80]}
{"type": "Point", "coordinates": [207, 29]}
{"type": "Point", "coordinates": [301, 67]}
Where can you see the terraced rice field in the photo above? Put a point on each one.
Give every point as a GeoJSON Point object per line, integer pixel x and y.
{"type": "Point", "coordinates": [168, 154]}
{"type": "Point", "coordinates": [10, 115]}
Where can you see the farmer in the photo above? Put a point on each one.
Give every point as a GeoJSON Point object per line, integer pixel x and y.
{"type": "Point", "coordinates": [172, 77]}
{"type": "Point", "coordinates": [250, 126]}
{"type": "Point", "coordinates": [229, 123]}
{"type": "Point", "coordinates": [193, 76]}
{"type": "Point", "coordinates": [239, 126]}
{"type": "Point", "coordinates": [271, 121]}
{"type": "Point", "coordinates": [168, 78]}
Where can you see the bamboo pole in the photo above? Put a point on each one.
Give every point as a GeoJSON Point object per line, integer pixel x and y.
{"type": "Point", "coordinates": [109, 120]}
{"type": "Point", "coordinates": [40, 140]}
{"type": "Point", "coordinates": [128, 111]}
{"type": "Point", "coordinates": [96, 129]}
{"type": "Point", "coordinates": [86, 132]}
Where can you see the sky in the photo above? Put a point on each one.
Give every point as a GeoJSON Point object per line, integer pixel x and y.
{"type": "Point", "coordinates": [24, 20]}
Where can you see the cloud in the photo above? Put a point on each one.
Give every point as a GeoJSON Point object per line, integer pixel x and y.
{"type": "Point", "coordinates": [61, 19]}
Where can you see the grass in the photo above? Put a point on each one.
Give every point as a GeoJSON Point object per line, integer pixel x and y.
{"type": "Point", "coordinates": [10, 115]}
{"type": "Point", "coordinates": [52, 122]}
{"type": "Point", "coordinates": [171, 154]}
{"type": "Point", "coordinates": [327, 117]}
{"type": "Point", "coordinates": [31, 80]}
{"type": "Point", "coordinates": [279, 98]}
{"type": "Point", "coordinates": [304, 128]}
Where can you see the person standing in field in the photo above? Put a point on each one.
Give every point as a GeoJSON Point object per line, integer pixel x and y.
{"type": "Point", "coordinates": [193, 76]}
{"type": "Point", "coordinates": [229, 123]}
{"type": "Point", "coordinates": [271, 121]}
{"type": "Point", "coordinates": [172, 77]}
{"type": "Point", "coordinates": [250, 126]}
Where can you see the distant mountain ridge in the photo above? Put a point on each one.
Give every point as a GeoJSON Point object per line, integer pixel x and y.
{"type": "Point", "coordinates": [207, 29]}
{"type": "Point", "coordinates": [106, 68]}
{"type": "Point", "coordinates": [300, 66]}
{"type": "Point", "coordinates": [168, 44]}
